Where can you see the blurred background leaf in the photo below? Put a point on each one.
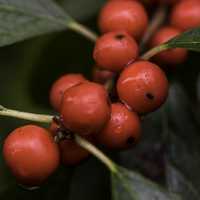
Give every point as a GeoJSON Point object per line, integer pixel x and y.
{"type": "Point", "coordinates": [183, 145]}
{"type": "Point", "coordinates": [129, 185]}
{"type": "Point", "coordinates": [82, 9]}
{"type": "Point", "coordinates": [21, 19]}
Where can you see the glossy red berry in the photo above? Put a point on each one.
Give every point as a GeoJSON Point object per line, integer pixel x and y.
{"type": "Point", "coordinates": [186, 14]}
{"type": "Point", "coordinates": [85, 108]}
{"type": "Point", "coordinates": [172, 56]}
{"type": "Point", "coordinates": [126, 15]}
{"type": "Point", "coordinates": [143, 86]}
{"type": "Point", "coordinates": [122, 130]}
{"type": "Point", "coordinates": [101, 76]}
{"type": "Point", "coordinates": [31, 154]}
{"type": "Point", "coordinates": [114, 50]}
{"type": "Point", "coordinates": [61, 85]}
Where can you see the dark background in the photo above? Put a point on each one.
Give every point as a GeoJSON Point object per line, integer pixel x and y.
{"type": "Point", "coordinates": [28, 69]}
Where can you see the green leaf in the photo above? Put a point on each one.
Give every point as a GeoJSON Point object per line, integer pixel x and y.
{"type": "Point", "coordinates": [189, 40]}
{"type": "Point", "coordinates": [183, 145]}
{"type": "Point", "coordinates": [75, 8]}
{"type": "Point", "coordinates": [22, 19]}
{"type": "Point", "coordinates": [179, 183]}
{"type": "Point", "coordinates": [129, 185]}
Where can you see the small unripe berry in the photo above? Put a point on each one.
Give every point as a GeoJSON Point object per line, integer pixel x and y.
{"type": "Point", "coordinates": [143, 86]}
{"type": "Point", "coordinates": [172, 56]}
{"type": "Point", "coordinates": [61, 85]}
{"type": "Point", "coordinates": [114, 50]}
{"type": "Point", "coordinates": [85, 108]}
{"type": "Point", "coordinates": [101, 76]}
{"type": "Point", "coordinates": [31, 154]}
{"type": "Point", "coordinates": [72, 153]}
{"type": "Point", "coordinates": [122, 130]}
{"type": "Point", "coordinates": [126, 15]}
{"type": "Point", "coordinates": [186, 14]}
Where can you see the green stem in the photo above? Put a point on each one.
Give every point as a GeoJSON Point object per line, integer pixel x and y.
{"type": "Point", "coordinates": [152, 52]}
{"type": "Point", "coordinates": [97, 153]}
{"type": "Point", "coordinates": [48, 119]}
{"type": "Point", "coordinates": [83, 30]}
{"type": "Point", "coordinates": [25, 115]}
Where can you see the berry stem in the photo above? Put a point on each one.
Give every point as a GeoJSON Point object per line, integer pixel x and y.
{"type": "Point", "coordinates": [97, 153]}
{"type": "Point", "coordinates": [157, 20]}
{"type": "Point", "coordinates": [152, 52]}
{"type": "Point", "coordinates": [109, 84]}
{"type": "Point", "coordinates": [25, 115]}
{"type": "Point", "coordinates": [83, 30]}
{"type": "Point", "coordinates": [48, 119]}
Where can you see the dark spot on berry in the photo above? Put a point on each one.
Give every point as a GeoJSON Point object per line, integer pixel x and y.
{"type": "Point", "coordinates": [119, 36]}
{"type": "Point", "coordinates": [130, 140]}
{"type": "Point", "coordinates": [150, 96]}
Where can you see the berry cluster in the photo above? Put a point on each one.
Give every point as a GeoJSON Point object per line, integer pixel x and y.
{"type": "Point", "coordinates": [86, 108]}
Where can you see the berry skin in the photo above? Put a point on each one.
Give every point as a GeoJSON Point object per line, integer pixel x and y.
{"type": "Point", "coordinates": [101, 76]}
{"type": "Point", "coordinates": [172, 56]}
{"type": "Point", "coordinates": [143, 86]}
{"type": "Point", "coordinates": [186, 14]}
{"type": "Point", "coordinates": [126, 15]}
{"type": "Point", "coordinates": [114, 50]}
{"type": "Point", "coordinates": [31, 154]}
{"type": "Point", "coordinates": [85, 108]}
{"type": "Point", "coordinates": [61, 85]}
{"type": "Point", "coordinates": [72, 153]}
{"type": "Point", "coordinates": [122, 131]}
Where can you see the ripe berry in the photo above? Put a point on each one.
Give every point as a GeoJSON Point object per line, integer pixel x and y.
{"type": "Point", "coordinates": [172, 56]}
{"type": "Point", "coordinates": [31, 154]}
{"type": "Point", "coordinates": [186, 14]}
{"type": "Point", "coordinates": [85, 108]}
{"type": "Point", "coordinates": [143, 86]}
{"type": "Point", "coordinates": [122, 130]}
{"type": "Point", "coordinates": [101, 76]}
{"type": "Point", "coordinates": [114, 50]}
{"type": "Point", "coordinates": [72, 153]}
{"type": "Point", "coordinates": [61, 85]}
{"type": "Point", "coordinates": [126, 15]}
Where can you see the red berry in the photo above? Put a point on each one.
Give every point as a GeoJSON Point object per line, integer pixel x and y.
{"type": "Point", "coordinates": [31, 154]}
{"type": "Point", "coordinates": [114, 50]}
{"type": "Point", "coordinates": [186, 14]}
{"type": "Point", "coordinates": [101, 76]}
{"type": "Point", "coordinates": [72, 153]}
{"type": "Point", "coordinates": [126, 15]}
{"type": "Point", "coordinates": [172, 56]}
{"type": "Point", "coordinates": [143, 86]}
{"type": "Point", "coordinates": [123, 130]}
{"type": "Point", "coordinates": [85, 108]}
{"type": "Point", "coordinates": [61, 85]}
